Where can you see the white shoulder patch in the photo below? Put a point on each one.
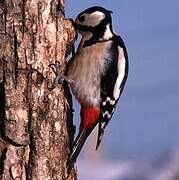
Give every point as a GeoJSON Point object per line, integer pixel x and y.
{"type": "Point", "coordinates": [121, 73]}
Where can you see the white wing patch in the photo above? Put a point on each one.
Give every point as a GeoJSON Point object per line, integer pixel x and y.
{"type": "Point", "coordinates": [106, 114]}
{"type": "Point", "coordinates": [108, 99]}
{"type": "Point", "coordinates": [121, 73]}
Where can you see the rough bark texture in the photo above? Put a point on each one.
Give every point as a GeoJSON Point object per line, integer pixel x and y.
{"type": "Point", "coordinates": [35, 122]}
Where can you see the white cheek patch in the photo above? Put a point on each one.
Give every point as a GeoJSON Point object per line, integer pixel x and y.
{"type": "Point", "coordinates": [98, 13]}
{"type": "Point", "coordinates": [95, 18]}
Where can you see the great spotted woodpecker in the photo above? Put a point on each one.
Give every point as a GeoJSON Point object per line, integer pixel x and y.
{"type": "Point", "coordinates": [96, 73]}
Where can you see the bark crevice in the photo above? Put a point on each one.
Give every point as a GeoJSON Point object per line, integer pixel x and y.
{"type": "Point", "coordinates": [2, 159]}
{"type": "Point", "coordinates": [16, 57]}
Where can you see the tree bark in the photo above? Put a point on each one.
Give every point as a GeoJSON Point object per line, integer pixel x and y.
{"type": "Point", "coordinates": [36, 122]}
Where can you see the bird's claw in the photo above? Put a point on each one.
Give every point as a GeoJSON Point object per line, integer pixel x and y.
{"type": "Point", "coordinates": [59, 79]}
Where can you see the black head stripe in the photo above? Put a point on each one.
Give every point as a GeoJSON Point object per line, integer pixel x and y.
{"type": "Point", "coordinates": [99, 29]}
{"type": "Point", "coordinates": [83, 28]}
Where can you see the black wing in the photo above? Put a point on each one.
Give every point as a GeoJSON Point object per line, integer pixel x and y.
{"type": "Point", "coordinates": [112, 83]}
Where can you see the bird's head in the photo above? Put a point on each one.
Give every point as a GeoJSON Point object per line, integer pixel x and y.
{"type": "Point", "coordinates": [95, 20]}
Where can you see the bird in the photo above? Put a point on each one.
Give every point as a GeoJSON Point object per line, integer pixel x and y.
{"type": "Point", "coordinates": [96, 73]}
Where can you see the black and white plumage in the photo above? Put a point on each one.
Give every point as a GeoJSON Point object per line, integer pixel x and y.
{"type": "Point", "coordinates": [112, 83]}
{"type": "Point", "coordinates": [97, 73]}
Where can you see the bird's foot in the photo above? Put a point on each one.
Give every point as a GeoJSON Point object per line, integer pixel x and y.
{"type": "Point", "coordinates": [59, 79]}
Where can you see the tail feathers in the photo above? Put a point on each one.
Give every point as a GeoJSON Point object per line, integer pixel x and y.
{"type": "Point", "coordinates": [101, 127]}
{"type": "Point", "coordinates": [78, 144]}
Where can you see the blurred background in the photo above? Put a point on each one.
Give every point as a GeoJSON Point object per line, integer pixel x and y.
{"type": "Point", "coordinates": [142, 139]}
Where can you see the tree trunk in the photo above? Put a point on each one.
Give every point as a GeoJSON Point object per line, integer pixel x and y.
{"type": "Point", "coordinates": [36, 125]}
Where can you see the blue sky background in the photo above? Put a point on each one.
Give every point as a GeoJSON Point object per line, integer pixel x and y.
{"type": "Point", "coordinates": [146, 121]}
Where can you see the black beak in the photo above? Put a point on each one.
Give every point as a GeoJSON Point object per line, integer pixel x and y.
{"type": "Point", "coordinates": [75, 25]}
{"type": "Point", "coordinates": [79, 27]}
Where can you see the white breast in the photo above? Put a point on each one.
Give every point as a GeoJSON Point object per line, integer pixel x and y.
{"type": "Point", "coordinates": [85, 72]}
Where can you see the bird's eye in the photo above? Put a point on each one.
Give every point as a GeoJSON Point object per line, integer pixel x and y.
{"type": "Point", "coordinates": [81, 18]}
